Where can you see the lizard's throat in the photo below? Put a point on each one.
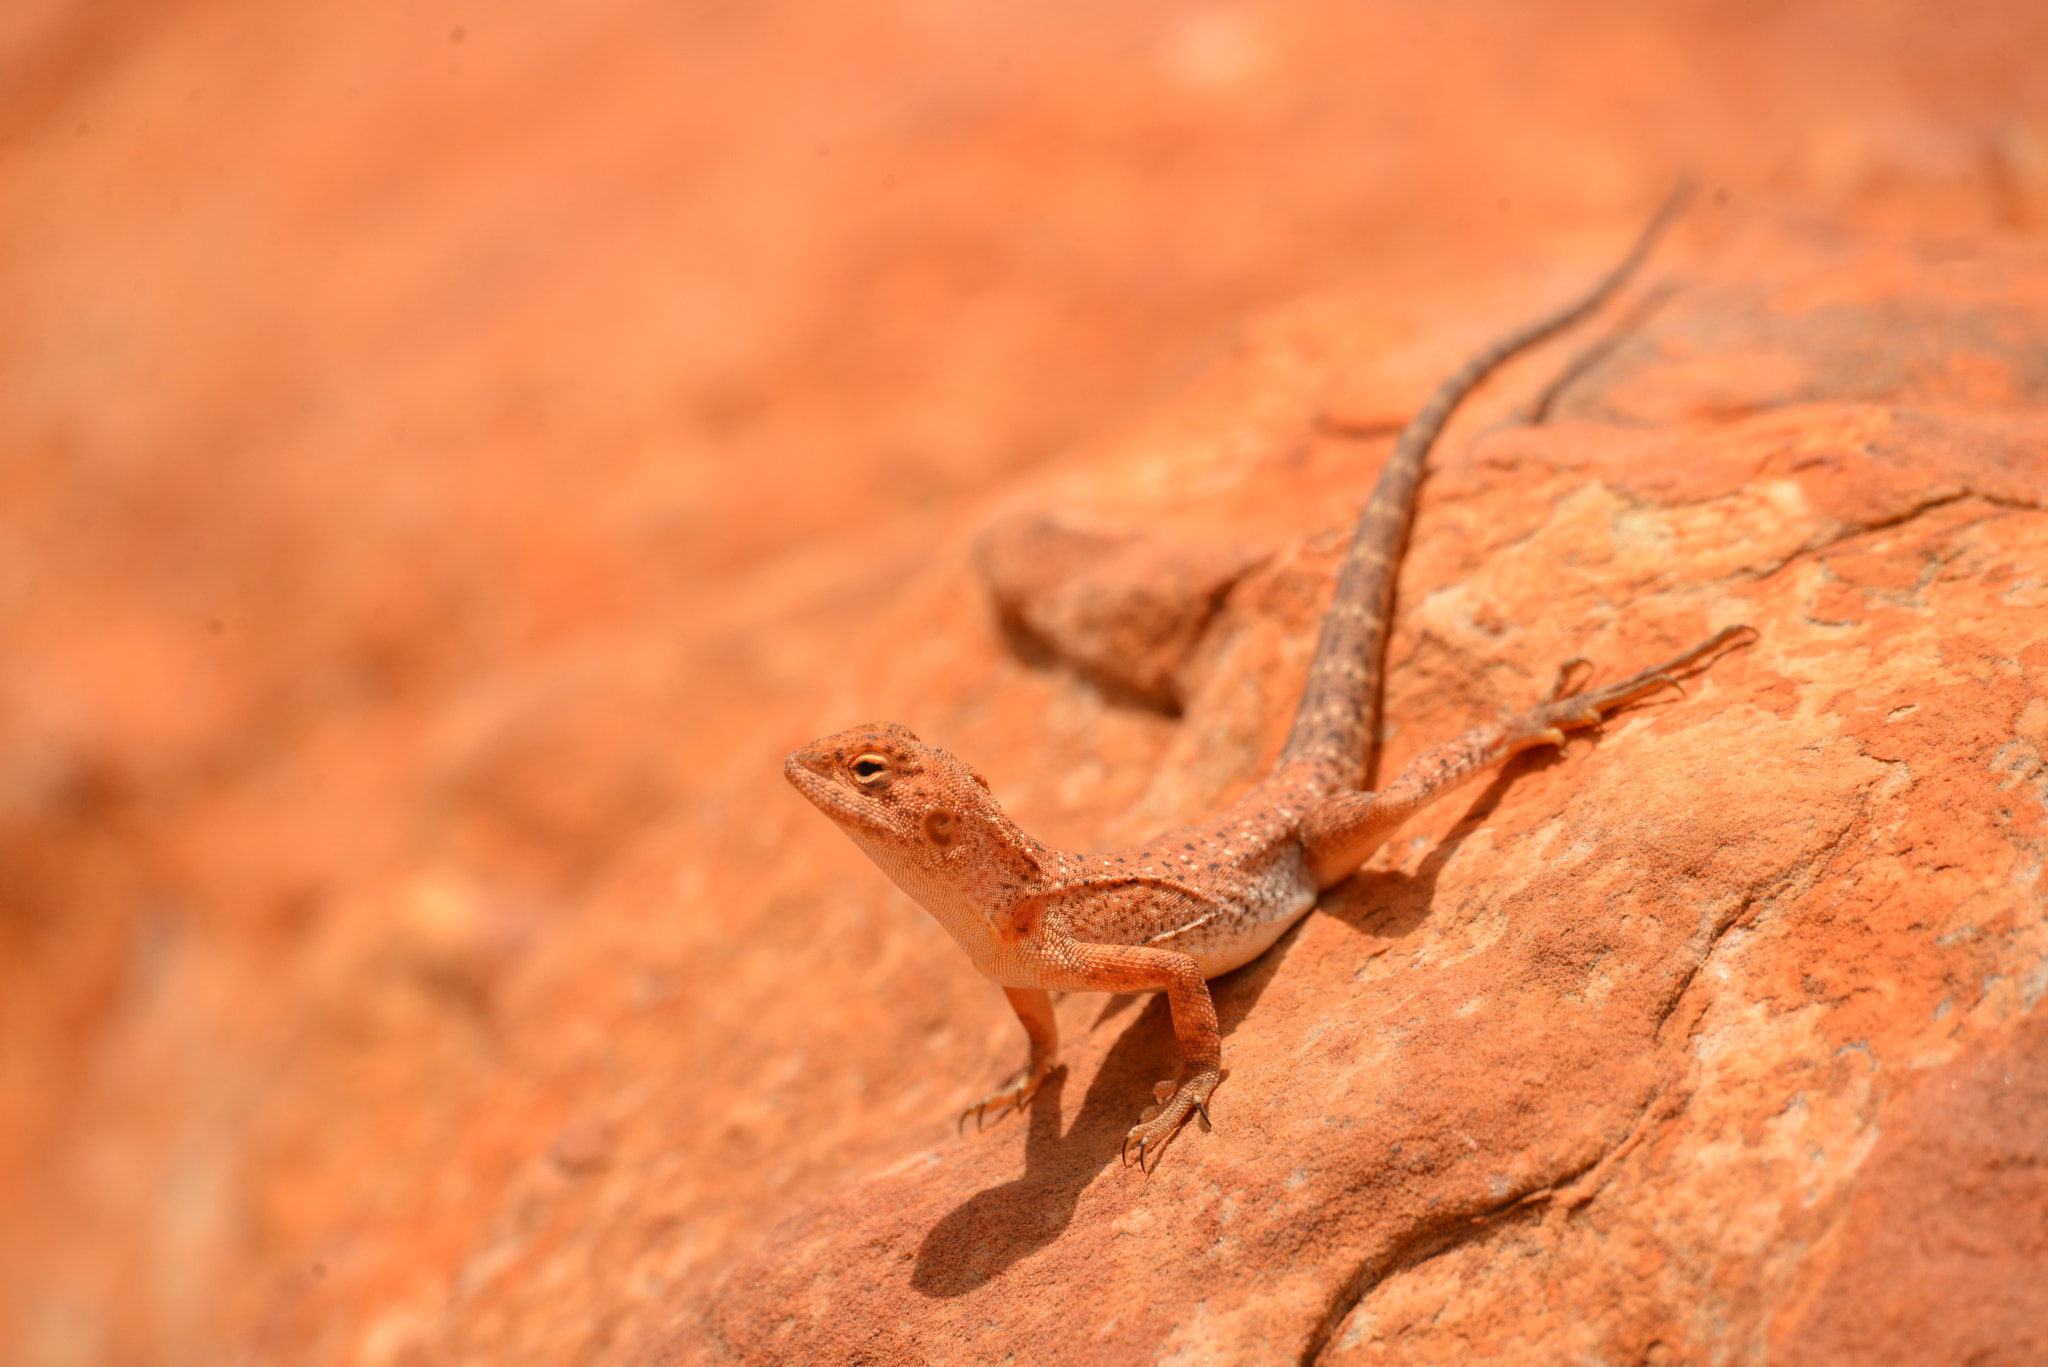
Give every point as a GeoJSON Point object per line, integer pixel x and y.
{"type": "Point", "coordinates": [963, 908]}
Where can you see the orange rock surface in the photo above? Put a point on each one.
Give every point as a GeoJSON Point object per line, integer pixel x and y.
{"type": "Point", "coordinates": [452, 454]}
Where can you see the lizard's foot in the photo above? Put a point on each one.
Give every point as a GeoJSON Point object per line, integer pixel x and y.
{"type": "Point", "coordinates": [1568, 708]}
{"type": "Point", "coordinates": [1155, 1123]}
{"type": "Point", "coordinates": [1013, 1095]}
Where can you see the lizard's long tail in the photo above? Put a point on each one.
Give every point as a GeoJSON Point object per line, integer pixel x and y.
{"type": "Point", "coordinates": [1339, 714]}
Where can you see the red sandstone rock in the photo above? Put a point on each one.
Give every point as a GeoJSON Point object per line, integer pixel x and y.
{"type": "Point", "coordinates": [451, 456]}
{"type": "Point", "coordinates": [1616, 1036]}
{"type": "Point", "coordinates": [1941, 1254]}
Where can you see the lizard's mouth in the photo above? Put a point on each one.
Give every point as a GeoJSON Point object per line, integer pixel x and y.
{"type": "Point", "coordinates": [843, 807]}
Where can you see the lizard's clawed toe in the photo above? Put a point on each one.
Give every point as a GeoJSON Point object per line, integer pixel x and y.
{"type": "Point", "coordinates": [1157, 1123]}
{"type": "Point", "coordinates": [1569, 679]}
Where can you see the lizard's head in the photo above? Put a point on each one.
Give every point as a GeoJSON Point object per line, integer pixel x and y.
{"type": "Point", "coordinates": [924, 817]}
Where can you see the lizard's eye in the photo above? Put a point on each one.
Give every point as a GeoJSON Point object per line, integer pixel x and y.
{"type": "Point", "coordinates": [872, 771]}
{"type": "Point", "coordinates": [940, 827]}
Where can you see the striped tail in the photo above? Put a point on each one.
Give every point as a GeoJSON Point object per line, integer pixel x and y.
{"type": "Point", "coordinates": [1339, 714]}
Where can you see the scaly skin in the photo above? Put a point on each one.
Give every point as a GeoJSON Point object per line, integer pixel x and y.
{"type": "Point", "coordinates": [1205, 899]}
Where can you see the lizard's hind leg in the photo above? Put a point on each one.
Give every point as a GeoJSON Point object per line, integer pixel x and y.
{"type": "Point", "coordinates": [1346, 828]}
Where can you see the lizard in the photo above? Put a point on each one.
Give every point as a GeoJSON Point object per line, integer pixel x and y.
{"type": "Point", "coordinates": [1200, 901]}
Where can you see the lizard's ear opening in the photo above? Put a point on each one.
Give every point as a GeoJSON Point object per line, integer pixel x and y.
{"type": "Point", "coordinates": [941, 827]}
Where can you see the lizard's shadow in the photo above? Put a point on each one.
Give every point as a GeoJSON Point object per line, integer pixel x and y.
{"type": "Point", "coordinates": [980, 1238]}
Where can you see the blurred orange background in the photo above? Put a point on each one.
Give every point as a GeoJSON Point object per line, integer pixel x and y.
{"type": "Point", "coordinates": [373, 373]}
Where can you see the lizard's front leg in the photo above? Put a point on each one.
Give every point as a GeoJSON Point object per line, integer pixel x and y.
{"type": "Point", "coordinates": [1033, 1006]}
{"type": "Point", "coordinates": [1136, 968]}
